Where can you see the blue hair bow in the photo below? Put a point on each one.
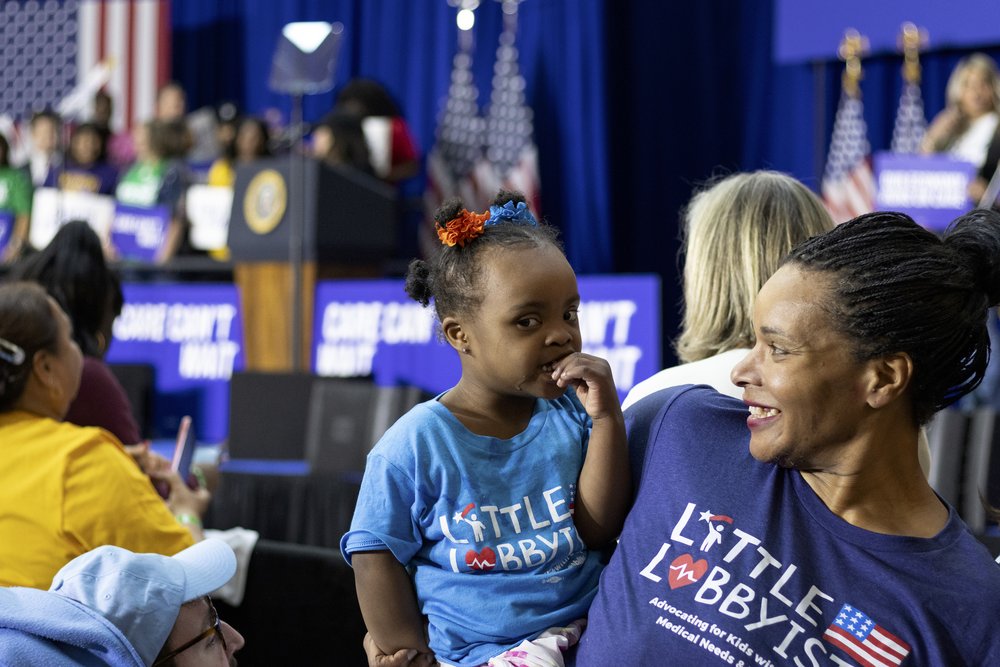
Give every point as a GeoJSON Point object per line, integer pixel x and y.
{"type": "Point", "coordinates": [518, 214]}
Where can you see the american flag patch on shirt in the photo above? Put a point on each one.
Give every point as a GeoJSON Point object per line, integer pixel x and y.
{"type": "Point", "coordinates": [864, 640]}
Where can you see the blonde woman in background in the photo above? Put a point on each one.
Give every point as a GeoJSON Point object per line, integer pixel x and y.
{"type": "Point", "coordinates": [736, 231]}
{"type": "Point", "coordinates": [964, 128]}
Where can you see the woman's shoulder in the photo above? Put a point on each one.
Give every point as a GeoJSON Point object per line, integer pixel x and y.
{"type": "Point", "coordinates": [678, 405]}
{"type": "Point", "coordinates": [64, 439]}
{"type": "Point", "coordinates": [713, 371]}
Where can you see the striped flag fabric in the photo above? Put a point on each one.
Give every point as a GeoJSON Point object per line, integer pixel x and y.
{"type": "Point", "coordinates": [474, 154]}
{"type": "Point", "coordinates": [908, 130]}
{"type": "Point", "coordinates": [457, 149]}
{"type": "Point", "coordinates": [510, 145]}
{"type": "Point", "coordinates": [865, 641]}
{"type": "Point", "coordinates": [51, 50]}
{"type": "Point", "coordinates": [848, 184]}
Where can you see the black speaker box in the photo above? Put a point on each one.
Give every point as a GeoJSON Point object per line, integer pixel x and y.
{"type": "Point", "coordinates": [268, 413]}
{"type": "Point", "coordinates": [346, 418]}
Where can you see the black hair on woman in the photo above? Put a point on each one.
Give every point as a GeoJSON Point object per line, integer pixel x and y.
{"type": "Point", "coordinates": [453, 276]}
{"type": "Point", "coordinates": [73, 271]}
{"type": "Point", "coordinates": [900, 288]}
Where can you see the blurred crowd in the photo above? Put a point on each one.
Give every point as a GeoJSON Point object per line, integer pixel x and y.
{"type": "Point", "coordinates": [154, 162]}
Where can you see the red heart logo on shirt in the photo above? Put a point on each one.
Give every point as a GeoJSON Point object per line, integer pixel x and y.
{"type": "Point", "coordinates": [481, 560]}
{"type": "Point", "coordinates": [685, 570]}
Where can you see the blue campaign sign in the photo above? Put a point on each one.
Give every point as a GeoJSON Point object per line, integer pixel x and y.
{"type": "Point", "coordinates": [192, 334]}
{"type": "Point", "coordinates": [6, 228]}
{"type": "Point", "coordinates": [371, 327]}
{"type": "Point", "coordinates": [931, 189]}
{"type": "Point", "coordinates": [138, 233]}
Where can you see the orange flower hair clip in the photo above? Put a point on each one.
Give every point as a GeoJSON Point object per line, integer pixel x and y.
{"type": "Point", "coordinates": [462, 228]}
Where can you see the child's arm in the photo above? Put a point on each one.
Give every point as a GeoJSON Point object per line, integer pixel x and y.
{"type": "Point", "coordinates": [388, 602]}
{"type": "Point", "coordinates": [605, 485]}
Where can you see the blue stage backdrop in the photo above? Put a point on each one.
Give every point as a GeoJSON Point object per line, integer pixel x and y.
{"type": "Point", "coordinates": [635, 103]}
{"type": "Point", "coordinates": [192, 334]}
{"type": "Point", "coordinates": [372, 328]}
{"type": "Point", "coordinates": [811, 30]}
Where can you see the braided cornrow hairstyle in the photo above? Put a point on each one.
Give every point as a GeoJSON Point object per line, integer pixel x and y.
{"type": "Point", "coordinates": [900, 288]}
{"type": "Point", "coordinates": [452, 278]}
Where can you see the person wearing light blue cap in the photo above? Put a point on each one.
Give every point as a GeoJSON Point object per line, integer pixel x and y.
{"type": "Point", "coordinates": [111, 606]}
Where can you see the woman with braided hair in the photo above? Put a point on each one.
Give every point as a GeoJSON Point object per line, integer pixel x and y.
{"type": "Point", "coordinates": [831, 547]}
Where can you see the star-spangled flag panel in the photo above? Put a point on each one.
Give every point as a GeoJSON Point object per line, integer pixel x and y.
{"type": "Point", "coordinates": [865, 641]}
{"type": "Point", "coordinates": [510, 145]}
{"type": "Point", "coordinates": [47, 48]}
{"type": "Point", "coordinates": [908, 131]}
{"type": "Point", "coordinates": [848, 185]}
{"type": "Point", "coordinates": [457, 150]}
{"type": "Point", "coordinates": [475, 155]}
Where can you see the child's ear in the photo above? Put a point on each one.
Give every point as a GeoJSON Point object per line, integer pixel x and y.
{"type": "Point", "coordinates": [454, 334]}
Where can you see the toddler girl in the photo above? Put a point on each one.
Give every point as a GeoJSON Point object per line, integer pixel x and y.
{"type": "Point", "coordinates": [499, 494]}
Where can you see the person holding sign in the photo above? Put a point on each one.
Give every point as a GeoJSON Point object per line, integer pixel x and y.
{"type": "Point", "coordinates": [501, 492]}
{"type": "Point", "coordinates": [86, 170]}
{"type": "Point", "coordinates": [159, 178]}
{"type": "Point", "coordinates": [66, 489]}
{"type": "Point", "coordinates": [15, 205]}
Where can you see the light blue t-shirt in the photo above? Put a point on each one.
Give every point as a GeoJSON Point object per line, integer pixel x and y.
{"type": "Point", "coordinates": [485, 524]}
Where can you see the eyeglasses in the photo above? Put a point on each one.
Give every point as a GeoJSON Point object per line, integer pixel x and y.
{"type": "Point", "coordinates": [216, 627]}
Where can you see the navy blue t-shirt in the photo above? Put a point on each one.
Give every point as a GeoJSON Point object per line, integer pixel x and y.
{"type": "Point", "coordinates": [727, 560]}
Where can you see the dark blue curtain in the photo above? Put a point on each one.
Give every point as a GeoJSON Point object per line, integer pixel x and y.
{"type": "Point", "coordinates": [636, 103]}
{"type": "Point", "coordinates": [222, 50]}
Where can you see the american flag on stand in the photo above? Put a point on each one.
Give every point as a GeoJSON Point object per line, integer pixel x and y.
{"type": "Point", "coordinates": [908, 131]}
{"type": "Point", "coordinates": [867, 642]}
{"type": "Point", "coordinates": [473, 156]}
{"type": "Point", "coordinates": [848, 185]}
{"type": "Point", "coordinates": [457, 149]}
{"type": "Point", "coordinates": [56, 54]}
{"type": "Point", "coordinates": [510, 145]}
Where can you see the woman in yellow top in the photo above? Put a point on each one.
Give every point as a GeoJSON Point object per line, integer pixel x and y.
{"type": "Point", "coordinates": [65, 489]}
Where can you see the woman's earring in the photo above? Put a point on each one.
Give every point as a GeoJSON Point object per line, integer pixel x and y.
{"type": "Point", "coordinates": [465, 349]}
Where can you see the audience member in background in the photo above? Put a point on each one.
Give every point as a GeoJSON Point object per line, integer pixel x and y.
{"type": "Point", "coordinates": [532, 422]}
{"type": "Point", "coordinates": [252, 142]}
{"type": "Point", "coordinates": [393, 150]}
{"type": "Point", "coordinates": [85, 170]}
{"type": "Point", "coordinates": [45, 154]}
{"type": "Point", "coordinates": [119, 146]}
{"type": "Point", "coordinates": [67, 489]}
{"type": "Point", "coordinates": [819, 540]}
{"type": "Point", "coordinates": [159, 177]}
{"type": "Point", "coordinates": [73, 271]}
{"type": "Point", "coordinates": [171, 102]}
{"type": "Point", "coordinates": [114, 607]}
{"type": "Point", "coordinates": [15, 205]}
{"type": "Point", "coordinates": [338, 139]}
{"type": "Point", "coordinates": [736, 232]}
{"type": "Point", "coordinates": [966, 126]}
{"type": "Point", "coordinates": [221, 173]}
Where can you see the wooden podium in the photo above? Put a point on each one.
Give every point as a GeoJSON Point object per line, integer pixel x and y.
{"type": "Point", "coordinates": [348, 227]}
